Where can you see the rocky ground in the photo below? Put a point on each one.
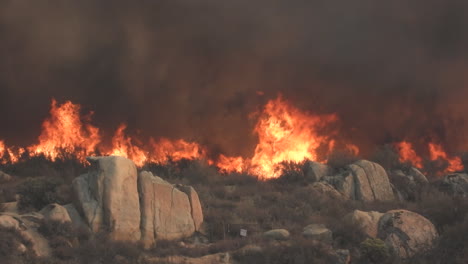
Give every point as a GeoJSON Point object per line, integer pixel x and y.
{"type": "Point", "coordinates": [188, 212]}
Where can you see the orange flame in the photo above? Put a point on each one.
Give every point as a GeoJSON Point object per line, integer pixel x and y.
{"type": "Point", "coordinates": [122, 146]}
{"type": "Point", "coordinates": [437, 152]}
{"type": "Point", "coordinates": [165, 149]}
{"type": "Point", "coordinates": [64, 131]}
{"type": "Point", "coordinates": [285, 134]}
{"type": "Point", "coordinates": [407, 153]}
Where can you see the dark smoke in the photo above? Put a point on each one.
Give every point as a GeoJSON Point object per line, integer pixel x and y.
{"type": "Point", "coordinates": [392, 70]}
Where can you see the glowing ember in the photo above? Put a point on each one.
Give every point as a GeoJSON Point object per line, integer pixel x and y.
{"type": "Point", "coordinates": [437, 152]}
{"type": "Point", "coordinates": [64, 131]}
{"type": "Point", "coordinates": [407, 154]}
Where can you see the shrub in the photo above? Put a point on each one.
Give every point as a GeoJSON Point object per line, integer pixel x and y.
{"type": "Point", "coordinates": [374, 250]}
{"type": "Point", "coordinates": [35, 193]}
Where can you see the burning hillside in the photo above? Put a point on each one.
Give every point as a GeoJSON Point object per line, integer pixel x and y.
{"type": "Point", "coordinates": [284, 132]}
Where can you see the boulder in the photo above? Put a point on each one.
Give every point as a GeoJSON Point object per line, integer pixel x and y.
{"type": "Point", "coordinates": [325, 189]}
{"type": "Point", "coordinates": [456, 184]}
{"type": "Point", "coordinates": [314, 171]}
{"type": "Point", "coordinates": [406, 233]}
{"type": "Point", "coordinates": [5, 177]}
{"type": "Point", "coordinates": [108, 197]}
{"type": "Point", "coordinates": [8, 221]}
{"type": "Point", "coordinates": [195, 205]}
{"type": "Point", "coordinates": [318, 232]}
{"type": "Point", "coordinates": [55, 212]}
{"type": "Point", "coordinates": [166, 212]}
{"type": "Point", "coordinates": [417, 176]}
{"type": "Point", "coordinates": [367, 221]}
{"type": "Point", "coordinates": [277, 234]}
{"type": "Point", "coordinates": [407, 183]}
{"type": "Point", "coordinates": [75, 217]}
{"type": "Point", "coordinates": [371, 182]}
{"type": "Point", "coordinates": [344, 183]}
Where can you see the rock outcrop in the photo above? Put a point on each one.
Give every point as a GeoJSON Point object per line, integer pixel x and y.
{"type": "Point", "coordinates": [108, 197]}
{"type": "Point", "coordinates": [407, 183]}
{"type": "Point", "coordinates": [364, 181]}
{"type": "Point", "coordinates": [314, 171]}
{"type": "Point", "coordinates": [195, 205]}
{"type": "Point", "coordinates": [166, 212]}
{"type": "Point", "coordinates": [368, 222]}
{"type": "Point", "coordinates": [407, 233]}
{"type": "Point", "coordinates": [371, 181]}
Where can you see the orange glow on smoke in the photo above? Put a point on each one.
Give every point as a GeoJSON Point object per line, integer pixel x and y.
{"type": "Point", "coordinates": [407, 154]}
{"type": "Point", "coordinates": [437, 152]}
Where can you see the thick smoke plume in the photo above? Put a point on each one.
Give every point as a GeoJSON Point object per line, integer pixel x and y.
{"type": "Point", "coordinates": [391, 71]}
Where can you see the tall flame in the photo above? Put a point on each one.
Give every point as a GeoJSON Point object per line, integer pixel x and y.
{"type": "Point", "coordinates": [64, 131]}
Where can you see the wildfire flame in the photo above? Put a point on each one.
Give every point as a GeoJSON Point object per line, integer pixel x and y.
{"type": "Point", "coordinates": [437, 152]}
{"type": "Point", "coordinates": [407, 154]}
{"type": "Point", "coordinates": [285, 134]}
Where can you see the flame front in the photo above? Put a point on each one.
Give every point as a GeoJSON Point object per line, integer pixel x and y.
{"type": "Point", "coordinates": [64, 131]}
{"type": "Point", "coordinates": [285, 134]}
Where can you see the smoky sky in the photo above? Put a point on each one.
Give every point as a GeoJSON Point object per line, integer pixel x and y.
{"type": "Point", "coordinates": [191, 69]}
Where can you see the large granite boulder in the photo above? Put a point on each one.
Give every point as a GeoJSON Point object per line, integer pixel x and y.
{"type": "Point", "coordinates": [314, 171]}
{"type": "Point", "coordinates": [166, 212]}
{"type": "Point", "coordinates": [371, 181]}
{"type": "Point", "coordinates": [407, 233]}
{"type": "Point", "coordinates": [364, 181]}
{"type": "Point", "coordinates": [108, 197]}
{"type": "Point", "coordinates": [368, 222]}
{"type": "Point", "coordinates": [407, 183]}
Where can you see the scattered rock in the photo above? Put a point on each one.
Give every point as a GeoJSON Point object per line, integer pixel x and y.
{"type": "Point", "coordinates": [55, 212]}
{"type": "Point", "coordinates": [108, 197]}
{"type": "Point", "coordinates": [314, 171]}
{"type": "Point", "coordinates": [371, 182]}
{"type": "Point", "coordinates": [277, 234]}
{"type": "Point", "coordinates": [166, 212]}
{"type": "Point", "coordinates": [318, 232]}
{"type": "Point", "coordinates": [407, 233]}
{"type": "Point", "coordinates": [367, 221]}
{"type": "Point", "coordinates": [456, 184]}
